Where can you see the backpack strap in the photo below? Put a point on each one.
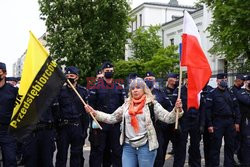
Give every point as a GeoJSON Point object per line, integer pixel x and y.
{"type": "Point", "coordinates": [152, 113]}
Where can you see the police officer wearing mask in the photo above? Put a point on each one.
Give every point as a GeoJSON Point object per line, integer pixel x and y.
{"type": "Point", "coordinates": [72, 121]}
{"type": "Point", "coordinates": [162, 131]}
{"type": "Point", "coordinates": [243, 96]}
{"type": "Point", "coordinates": [223, 118]}
{"type": "Point", "coordinates": [203, 123]}
{"type": "Point", "coordinates": [39, 147]}
{"type": "Point", "coordinates": [106, 96]}
{"type": "Point", "coordinates": [189, 125]}
{"type": "Point", "coordinates": [236, 89]}
{"type": "Point", "coordinates": [8, 95]}
{"type": "Point", "coordinates": [171, 84]}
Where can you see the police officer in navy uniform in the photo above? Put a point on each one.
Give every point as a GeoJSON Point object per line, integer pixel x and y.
{"type": "Point", "coordinates": [203, 123]}
{"type": "Point", "coordinates": [161, 128]}
{"type": "Point", "coordinates": [189, 124]}
{"type": "Point", "coordinates": [243, 97]}
{"type": "Point", "coordinates": [39, 147]}
{"type": "Point", "coordinates": [8, 95]}
{"type": "Point", "coordinates": [171, 84]}
{"type": "Point", "coordinates": [106, 96]}
{"type": "Point", "coordinates": [223, 118]}
{"type": "Point", "coordinates": [72, 122]}
{"type": "Point", "coordinates": [236, 89]}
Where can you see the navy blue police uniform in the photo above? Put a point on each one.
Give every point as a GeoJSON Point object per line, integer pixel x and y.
{"type": "Point", "coordinates": [72, 123]}
{"type": "Point", "coordinates": [236, 89]}
{"type": "Point", "coordinates": [243, 96]}
{"type": "Point", "coordinates": [203, 125]}
{"type": "Point", "coordinates": [8, 95]}
{"type": "Point", "coordinates": [189, 124]}
{"type": "Point", "coordinates": [107, 98]}
{"type": "Point", "coordinates": [222, 112]}
{"type": "Point", "coordinates": [39, 147]}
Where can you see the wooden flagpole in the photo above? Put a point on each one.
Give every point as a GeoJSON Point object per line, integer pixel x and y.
{"type": "Point", "coordinates": [83, 102]}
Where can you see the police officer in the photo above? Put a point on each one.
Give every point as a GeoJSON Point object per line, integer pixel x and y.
{"type": "Point", "coordinates": [171, 84]}
{"type": "Point", "coordinates": [223, 118]}
{"type": "Point", "coordinates": [72, 122]}
{"type": "Point", "coordinates": [203, 125]}
{"type": "Point", "coordinates": [189, 124]}
{"type": "Point", "coordinates": [161, 128]}
{"type": "Point", "coordinates": [236, 89]}
{"type": "Point", "coordinates": [8, 95]}
{"type": "Point", "coordinates": [106, 96]}
{"type": "Point", "coordinates": [243, 96]}
{"type": "Point", "coordinates": [39, 147]}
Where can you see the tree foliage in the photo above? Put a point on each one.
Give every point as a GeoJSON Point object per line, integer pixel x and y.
{"type": "Point", "coordinates": [230, 31]}
{"type": "Point", "coordinates": [85, 33]}
{"type": "Point", "coordinates": [145, 42]}
{"type": "Point", "coordinates": [165, 60]}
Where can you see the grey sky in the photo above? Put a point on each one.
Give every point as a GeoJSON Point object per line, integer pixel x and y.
{"type": "Point", "coordinates": [19, 16]}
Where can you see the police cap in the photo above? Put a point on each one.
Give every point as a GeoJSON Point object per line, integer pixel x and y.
{"type": "Point", "coordinates": [72, 70]}
{"type": "Point", "coordinates": [106, 65]}
{"type": "Point", "coordinates": [149, 74]}
{"type": "Point", "coordinates": [132, 75]}
{"type": "Point", "coordinates": [221, 76]}
{"type": "Point", "coordinates": [99, 71]}
{"type": "Point", "coordinates": [248, 78]}
{"type": "Point", "coordinates": [172, 75]}
{"type": "Point", "coordinates": [12, 79]}
{"type": "Point", "coordinates": [2, 66]}
{"type": "Point", "coordinates": [240, 77]}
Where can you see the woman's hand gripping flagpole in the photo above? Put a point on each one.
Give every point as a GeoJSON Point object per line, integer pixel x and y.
{"type": "Point", "coordinates": [91, 114]}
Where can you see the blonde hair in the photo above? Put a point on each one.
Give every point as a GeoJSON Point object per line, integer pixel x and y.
{"type": "Point", "coordinates": [139, 81]}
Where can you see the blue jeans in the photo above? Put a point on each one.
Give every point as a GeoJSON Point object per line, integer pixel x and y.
{"type": "Point", "coordinates": [131, 156]}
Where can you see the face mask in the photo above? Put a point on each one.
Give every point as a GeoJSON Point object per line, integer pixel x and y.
{"type": "Point", "coordinates": [150, 84]}
{"type": "Point", "coordinates": [223, 84]}
{"type": "Point", "coordinates": [108, 75]}
{"type": "Point", "coordinates": [176, 84]}
{"type": "Point", "coordinates": [241, 84]}
{"type": "Point", "coordinates": [71, 80]}
{"type": "Point", "coordinates": [248, 85]}
{"type": "Point", "coordinates": [1, 78]}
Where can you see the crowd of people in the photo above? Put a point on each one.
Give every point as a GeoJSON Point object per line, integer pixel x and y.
{"type": "Point", "coordinates": [137, 123]}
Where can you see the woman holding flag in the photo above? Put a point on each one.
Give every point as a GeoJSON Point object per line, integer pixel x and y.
{"type": "Point", "coordinates": [138, 135]}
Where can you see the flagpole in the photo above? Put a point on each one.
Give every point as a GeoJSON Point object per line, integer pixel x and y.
{"type": "Point", "coordinates": [179, 90]}
{"type": "Point", "coordinates": [84, 103]}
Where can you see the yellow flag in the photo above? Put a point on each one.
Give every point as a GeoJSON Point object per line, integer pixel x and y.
{"type": "Point", "coordinates": [40, 82]}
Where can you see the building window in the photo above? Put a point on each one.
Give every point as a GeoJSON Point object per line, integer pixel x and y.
{"type": "Point", "coordinates": [140, 19]}
{"type": "Point", "coordinates": [172, 41]}
{"type": "Point", "coordinates": [136, 22]}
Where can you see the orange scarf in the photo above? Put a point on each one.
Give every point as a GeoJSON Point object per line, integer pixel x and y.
{"type": "Point", "coordinates": [133, 111]}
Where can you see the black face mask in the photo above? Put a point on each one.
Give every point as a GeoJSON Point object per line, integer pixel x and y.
{"type": "Point", "coordinates": [108, 75]}
{"type": "Point", "coordinates": [71, 80]}
{"type": "Point", "coordinates": [150, 84]}
{"type": "Point", "coordinates": [176, 84]}
{"type": "Point", "coordinates": [1, 77]}
{"type": "Point", "coordinates": [248, 85]}
{"type": "Point", "coordinates": [223, 84]}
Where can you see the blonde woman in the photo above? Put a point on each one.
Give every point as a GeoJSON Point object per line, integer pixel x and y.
{"type": "Point", "coordinates": [138, 135]}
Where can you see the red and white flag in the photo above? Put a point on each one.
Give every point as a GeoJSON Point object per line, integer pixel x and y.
{"type": "Point", "coordinates": [198, 68]}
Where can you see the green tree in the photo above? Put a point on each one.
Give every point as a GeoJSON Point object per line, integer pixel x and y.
{"type": "Point", "coordinates": [230, 31]}
{"type": "Point", "coordinates": [145, 42]}
{"type": "Point", "coordinates": [85, 33]}
{"type": "Point", "coordinates": [166, 60]}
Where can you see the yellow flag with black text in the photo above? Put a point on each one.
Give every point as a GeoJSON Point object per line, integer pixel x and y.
{"type": "Point", "coordinates": [40, 83]}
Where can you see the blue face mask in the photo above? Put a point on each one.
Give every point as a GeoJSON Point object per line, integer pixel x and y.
{"type": "Point", "coordinates": [223, 84]}
{"type": "Point", "coordinates": [150, 84]}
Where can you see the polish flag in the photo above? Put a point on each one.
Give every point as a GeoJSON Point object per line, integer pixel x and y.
{"type": "Point", "coordinates": [198, 69]}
